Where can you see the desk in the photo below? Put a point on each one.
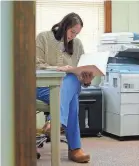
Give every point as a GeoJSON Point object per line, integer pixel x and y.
{"type": "Point", "coordinates": [52, 79]}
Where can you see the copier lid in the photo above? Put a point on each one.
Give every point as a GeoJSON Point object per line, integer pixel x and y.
{"type": "Point", "coordinates": [129, 56]}
{"type": "Point", "coordinates": [129, 53]}
{"type": "Point", "coordinates": [122, 60]}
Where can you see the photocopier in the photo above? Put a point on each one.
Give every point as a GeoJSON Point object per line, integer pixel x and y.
{"type": "Point", "coordinates": [121, 94]}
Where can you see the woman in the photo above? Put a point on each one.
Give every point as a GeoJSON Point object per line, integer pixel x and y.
{"type": "Point", "coordinates": [60, 48]}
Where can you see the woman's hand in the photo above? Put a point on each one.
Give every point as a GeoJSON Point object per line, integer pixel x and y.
{"type": "Point", "coordinates": [64, 68]}
{"type": "Point", "coordinates": [86, 78]}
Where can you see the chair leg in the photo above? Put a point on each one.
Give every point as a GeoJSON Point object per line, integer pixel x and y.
{"type": "Point", "coordinates": [38, 155]}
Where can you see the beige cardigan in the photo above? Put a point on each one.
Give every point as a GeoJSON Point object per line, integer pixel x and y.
{"type": "Point", "coordinates": [49, 51]}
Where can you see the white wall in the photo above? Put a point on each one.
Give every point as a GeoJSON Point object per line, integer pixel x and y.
{"type": "Point", "coordinates": [7, 110]}
{"type": "Point", "coordinates": [125, 15]}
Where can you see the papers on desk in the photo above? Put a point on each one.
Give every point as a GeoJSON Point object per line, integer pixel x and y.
{"type": "Point", "coordinates": [51, 68]}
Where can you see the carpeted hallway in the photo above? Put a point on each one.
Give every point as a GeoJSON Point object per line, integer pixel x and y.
{"type": "Point", "coordinates": [104, 152]}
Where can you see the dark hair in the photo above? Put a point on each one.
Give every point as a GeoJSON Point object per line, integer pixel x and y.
{"type": "Point", "coordinates": [60, 30]}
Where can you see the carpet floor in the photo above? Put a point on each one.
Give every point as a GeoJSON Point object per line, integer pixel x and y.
{"type": "Point", "coordinates": [104, 151]}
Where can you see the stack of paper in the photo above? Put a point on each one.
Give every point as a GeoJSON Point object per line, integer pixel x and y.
{"type": "Point", "coordinates": [121, 37]}
{"type": "Point", "coordinates": [117, 41]}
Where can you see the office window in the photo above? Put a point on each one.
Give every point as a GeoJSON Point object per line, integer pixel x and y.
{"type": "Point", "coordinates": [91, 11]}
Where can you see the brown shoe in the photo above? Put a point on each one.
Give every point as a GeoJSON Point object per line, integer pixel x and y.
{"type": "Point", "coordinates": [78, 156]}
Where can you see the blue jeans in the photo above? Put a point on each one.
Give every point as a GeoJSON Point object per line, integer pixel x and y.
{"type": "Point", "coordinates": [69, 108]}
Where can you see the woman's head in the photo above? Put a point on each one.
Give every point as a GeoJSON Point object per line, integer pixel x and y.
{"type": "Point", "coordinates": [67, 29]}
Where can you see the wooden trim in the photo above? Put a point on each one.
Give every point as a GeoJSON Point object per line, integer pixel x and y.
{"type": "Point", "coordinates": [24, 83]}
{"type": "Point", "coordinates": [108, 16]}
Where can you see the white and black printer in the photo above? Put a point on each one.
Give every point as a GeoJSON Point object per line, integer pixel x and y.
{"type": "Point", "coordinates": [121, 93]}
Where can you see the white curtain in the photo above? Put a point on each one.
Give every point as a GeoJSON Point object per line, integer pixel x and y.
{"type": "Point", "coordinates": [49, 12]}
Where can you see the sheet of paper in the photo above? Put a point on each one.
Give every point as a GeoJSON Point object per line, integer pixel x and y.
{"type": "Point", "coordinates": [51, 68]}
{"type": "Point", "coordinates": [99, 59]}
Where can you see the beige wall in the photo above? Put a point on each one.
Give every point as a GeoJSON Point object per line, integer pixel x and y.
{"type": "Point", "coordinates": [125, 16]}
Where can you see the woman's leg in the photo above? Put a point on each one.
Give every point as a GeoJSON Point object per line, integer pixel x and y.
{"type": "Point", "coordinates": [43, 94]}
{"type": "Point", "coordinates": [69, 107]}
{"type": "Point", "coordinates": [72, 129]}
{"type": "Point", "coordinates": [70, 87]}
